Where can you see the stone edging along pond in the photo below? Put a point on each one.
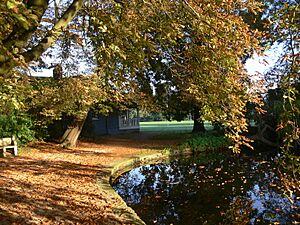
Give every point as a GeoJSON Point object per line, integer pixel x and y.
{"type": "Point", "coordinates": [123, 211]}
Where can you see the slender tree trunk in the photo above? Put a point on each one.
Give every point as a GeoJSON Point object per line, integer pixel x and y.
{"type": "Point", "coordinates": [71, 135]}
{"type": "Point", "coordinates": [198, 122]}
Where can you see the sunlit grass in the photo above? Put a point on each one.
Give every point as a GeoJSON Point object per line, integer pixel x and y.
{"type": "Point", "coordinates": [170, 126]}
{"type": "Point", "coordinates": [170, 130]}
{"type": "Point", "coordinates": [166, 126]}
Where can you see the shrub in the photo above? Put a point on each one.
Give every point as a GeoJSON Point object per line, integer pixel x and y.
{"type": "Point", "coordinates": [206, 142]}
{"type": "Point", "coordinates": [19, 125]}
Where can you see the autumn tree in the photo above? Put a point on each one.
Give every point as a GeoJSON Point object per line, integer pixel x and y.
{"type": "Point", "coordinates": [125, 36]}
{"type": "Point", "coordinates": [284, 31]}
{"type": "Point", "coordinates": [19, 21]}
{"type": "Point", "coordinates": [31, 28]}
{"type": "Point", "coordinates": [168, 95]}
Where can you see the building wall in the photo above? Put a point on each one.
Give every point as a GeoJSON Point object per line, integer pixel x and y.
{"type": "Point", "coordinates": [96, 126]}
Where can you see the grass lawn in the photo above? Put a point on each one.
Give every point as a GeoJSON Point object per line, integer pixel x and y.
{"type": "Point", "coordinates": [167, 130]}
{"type": "Point", "coordinates": [173, 129]}
{"type": "Point", "coordinates": [166, 126]}
{"type": "Point", "coordinates": [173, 126]}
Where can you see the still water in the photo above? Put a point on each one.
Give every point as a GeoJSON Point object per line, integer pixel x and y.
{"type": "Point", "coordinates": [193, 192]}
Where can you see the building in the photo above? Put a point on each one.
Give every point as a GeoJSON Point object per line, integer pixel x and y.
{"type": "Point", "coordinates": [117, 122]}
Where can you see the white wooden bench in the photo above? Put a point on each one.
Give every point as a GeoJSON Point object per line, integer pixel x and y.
{"type": "Point", "coordinates": [8, 144]}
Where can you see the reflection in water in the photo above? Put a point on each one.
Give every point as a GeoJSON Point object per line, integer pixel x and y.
{"type": "Point", "coordinates": [229, 191]}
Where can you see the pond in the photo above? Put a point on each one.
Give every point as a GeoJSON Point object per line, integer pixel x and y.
{"type": "Point", "coordinates": [192, 191]}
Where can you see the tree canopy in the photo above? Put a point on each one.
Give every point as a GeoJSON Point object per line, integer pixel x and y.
{"type": "Point", "coordinates": [202, 45]}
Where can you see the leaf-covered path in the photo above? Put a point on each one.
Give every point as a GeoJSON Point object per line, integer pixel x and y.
{"type": "Point", "coordinates": [51, 185]}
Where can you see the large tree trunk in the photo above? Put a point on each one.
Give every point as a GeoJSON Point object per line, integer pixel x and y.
{"type": "Point", "coordinates": [198, 122]}
{"type": "Point", "coordinates": [71, 135]}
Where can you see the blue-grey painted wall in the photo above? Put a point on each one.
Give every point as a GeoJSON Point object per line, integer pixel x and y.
{"type": "Point", "coordinates": [96, 126]}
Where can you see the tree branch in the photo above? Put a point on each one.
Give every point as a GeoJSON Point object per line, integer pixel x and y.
{"type": "Point", "coordinates": [192, 10]}
{"type": "Point", "coordinates": [19, 36]}
{"type": "Point", "coordinates": [52, 36]}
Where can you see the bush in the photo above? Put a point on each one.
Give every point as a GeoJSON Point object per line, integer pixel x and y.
{"type": "Point", "coordinates": [206, 143]}
{"type": "Point", "coordinates": [19, 125]}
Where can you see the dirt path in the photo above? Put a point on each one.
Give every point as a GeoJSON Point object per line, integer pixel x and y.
{"type": "Point", "coordinates": [51, 185]}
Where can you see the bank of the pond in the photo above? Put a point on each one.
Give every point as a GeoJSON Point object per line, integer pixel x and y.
{"type": "Point", "coordinates": [126, 164]}
{"type": "Point", "coordinates": [194, 144]}
{"type": "Point", "coordinates": [49, 185]}
{"type": "Point", "coordinates": [123, 165]}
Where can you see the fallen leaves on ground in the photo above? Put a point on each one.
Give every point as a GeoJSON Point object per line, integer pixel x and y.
{"type": "Point", "coordinates": [52, 185]}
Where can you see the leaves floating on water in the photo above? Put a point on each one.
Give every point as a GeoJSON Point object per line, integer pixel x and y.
{"type": "Point", "coordinates": [238, 191]}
